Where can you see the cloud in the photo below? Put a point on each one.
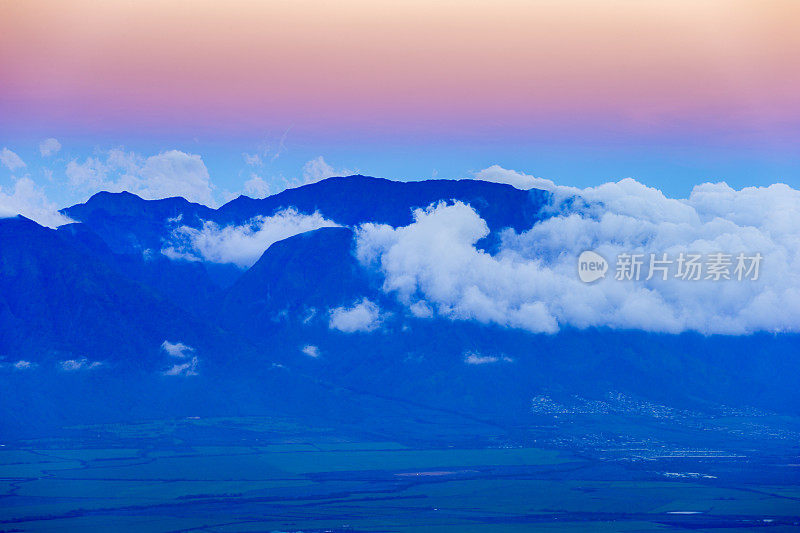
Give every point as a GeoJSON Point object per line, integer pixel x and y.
{"type": "Point", "coordinates": [30, 201]}
{"type": "Point", "coordinates": [310, 350]}
{"type": "Point", "coordinates": [474, 358]}
{"type": "Point", "coordinates": [24, 365]}
{"type": "Point", "coordinates": [170, 173]}
{"type": "Point", "coordinates": [189, 368]}
{"type": "Point", "coordinates": [176, 349]}
{"type": "Point", "coordinates": [181, 351]}
{"type": "Point", "coordinates": [73, 365]}
{"type": "Point", "coordinates": [531, 282]}
{"type": "Point", "coordinates": [253, 160]}
{"type": "Point", "coordinates": [49, 147]}
{"type": "Point", "coordinates": [267, 150]}
{"type": "Point", "coordinates": [11, 160]}
{"type": "Point", "coordinates": [256, 187]}
{"type": "Point", "coordinates": [498, 174]}
{"type": "Point", "coordinates": [240, 245]}
{"type": "Point", "coordinates": [317, 170]}
{"type": "Point", "coordinates": [363, 316]}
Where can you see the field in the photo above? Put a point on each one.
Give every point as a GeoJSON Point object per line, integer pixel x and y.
{"type": "Point", "coordinates": [270, 474]}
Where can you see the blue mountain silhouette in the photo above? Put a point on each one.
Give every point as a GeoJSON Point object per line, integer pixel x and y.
{"type": "Point", "coordinates": [101, 290]}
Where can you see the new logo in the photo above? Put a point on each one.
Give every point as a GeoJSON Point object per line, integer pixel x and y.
{"type": "Point", "coordinates": [591, 266]}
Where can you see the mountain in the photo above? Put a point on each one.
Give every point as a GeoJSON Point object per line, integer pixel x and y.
{"type": "Point", "coordinates": [293, 280]}
{"type": "Point", "coordinates": [64, 300]}
{"type": "Point", "coordinates": [263, 339]}
{"type": "Point", "coordinates": [357, 199]}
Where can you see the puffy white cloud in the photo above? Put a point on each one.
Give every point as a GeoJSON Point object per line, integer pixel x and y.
{"type": "Point", "coordinates": [176, 349]}
{"type": "Point", "coordinates": [49, 147]}
{"type": "Point", "coordinates": [256, 187]}
{"type": "Point", "coordinates": [170, 173]}
{"type": "Point", "coordinates": [498, 174]}
{"type": "Point", "coordinates": [11, 160]}
{"type": "Point", "coordinates": [24, 365]}
{"type": "Point", "coordinates": [310, 350]}
{"type": "Point", "coordinates": [363, 316]}
{"type": "Point", "coordinates": [73, 365]}
{"type": "Point", "coordinates": [30, 201]}
{"type": "Point", "coordinates": [531, 282]}
{"type": "Point", "coordinates": [189, 368]}
{"type": "Point", "coordinates": [317, 170]}
{"type": "Point", "coordinates": [240, 245]}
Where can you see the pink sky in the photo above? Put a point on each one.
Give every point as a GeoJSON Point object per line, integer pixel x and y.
{"type": "Point", "coordinates": [427, 66]}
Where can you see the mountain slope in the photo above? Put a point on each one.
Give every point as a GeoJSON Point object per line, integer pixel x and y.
{"type": "Point", "coordinates": [61, 301]}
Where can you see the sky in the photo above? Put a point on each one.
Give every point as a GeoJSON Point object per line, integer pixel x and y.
{"type": "Point", "coordinates": [250, 97]}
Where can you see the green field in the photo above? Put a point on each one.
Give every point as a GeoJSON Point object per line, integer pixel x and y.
{"type": "Point", "coordinates": [162, 476]}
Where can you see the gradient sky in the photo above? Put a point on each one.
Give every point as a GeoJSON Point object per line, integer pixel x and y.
{"type": "Point", "coordinates": [671, 93]}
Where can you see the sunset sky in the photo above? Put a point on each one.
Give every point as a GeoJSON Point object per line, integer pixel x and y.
{"type": "Point", "coordinates": [671, 93]}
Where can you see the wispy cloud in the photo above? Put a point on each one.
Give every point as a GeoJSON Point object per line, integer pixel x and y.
{"type": "Point", "coordinates": [176, 349]}
{"type": "Point", "coordinates": [189, 368]}
{"type": "Point", "coordinates": [49, 147]}
{"type": "Point", "coordinates": [74, 365]}
{"type": "Point", "coordinates": [310, 350]}
{"type": "Point", "coordinates": [498, 174]}
{"type": "Point", "coordinates": [179, 350]}
{"type": "Point", "coordinates": [11, 160]}
{"type": "Point", "coordinates": [318, 169]}
{"type": "Point", "coordinates": [474, 358]}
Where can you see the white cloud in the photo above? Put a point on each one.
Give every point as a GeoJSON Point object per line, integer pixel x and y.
{"type": "Point", "coordinates": [531, 282]}
{"type": "Point", "coordinates": [240, 245]}
{"type": "Point", "coordinates": [310, 350]}
{"type": "Point", "coordinates": [49, 147]}
{"type": "Point", "coordinates": [363, 316]}
{"type": "Point", "coordinates": [474, 358]}
{"type": "Point", "coordinates": [24, 365]}
{"type": "Point", "coordinates": [176, 349]}
{"type": "Point", "coordinates": [189, 368]}
{"type": "Point", "coordinates": [170, 173]}
{"type": "Point", "coordinates": [183, 352]}
{"type": "Point", "coordinates": [11, 160]}
{"type": "Point", "coordinates": [256, 187]}
{"type": "Point", "coordinates": [317, 170]}
{"type": "Point", "coordinates": [30, 201]}
{"type": "Point", "coordinates": [73, 365]}
{"type": "Point", "coordinates": [498, 174]}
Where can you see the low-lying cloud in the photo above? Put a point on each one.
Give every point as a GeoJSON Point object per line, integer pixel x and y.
{"type": "Point", "coordinates": [74, 365]}
{"type": "Point", "coordinates": [189, 368]}
{"type": "Point", "coordinates": [176, 349]}
{"type": "Point", "coordinates": [498, 174]}
{"type": "Point", "coordinates": [310, 350]}
{"type": "Point", "coordinates": [475, 358]}
{"type": "Point", "coordinates": [434, 267]}
{"type": "Point", "coordinates": [362, 316]}
{"type": "Point", "coordinates": [179, 350]}
{"type": "Point", "coordinates": [240, 245]}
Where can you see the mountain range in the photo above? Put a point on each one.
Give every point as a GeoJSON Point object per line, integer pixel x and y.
{"type": "Point", "coordinates": [98, 321]}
